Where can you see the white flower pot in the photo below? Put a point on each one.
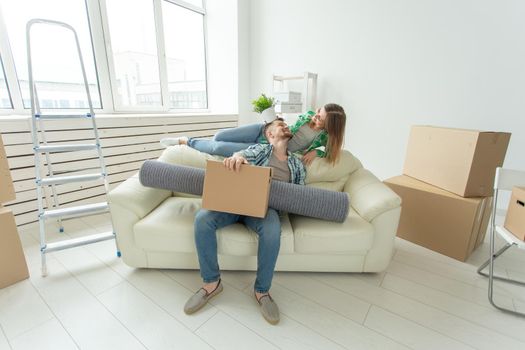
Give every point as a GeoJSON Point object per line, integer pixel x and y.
{"type": "Point", "coordinates": [268, 114]}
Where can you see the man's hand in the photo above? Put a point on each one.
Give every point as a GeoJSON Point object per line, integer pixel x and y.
{"type": "Point", "coordinates": [234, 162]}
{"type": "Point", "coordinates": [309, 157]}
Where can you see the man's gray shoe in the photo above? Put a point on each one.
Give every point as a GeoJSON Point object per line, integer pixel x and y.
{"type": "Point", "coordinates": [200, 298]}
{"type": "Point", "coordinates": [269, 308]}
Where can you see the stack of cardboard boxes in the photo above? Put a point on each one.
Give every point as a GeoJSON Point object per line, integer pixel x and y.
{"type": "Point", "coordinates": [13, 267]}
{"type": "Point", "coordinates": [288, 102]}
{"type": "Point", "coordinates": [447, 187]}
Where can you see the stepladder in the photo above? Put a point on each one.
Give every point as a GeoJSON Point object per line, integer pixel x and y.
{"type": "Point", "coordinates": [52, 180]}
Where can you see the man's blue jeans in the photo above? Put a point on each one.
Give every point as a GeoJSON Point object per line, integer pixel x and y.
{"type": "Point", "coordinates": [268, 229]}
{"type": "Point", "coordinates": [228, 141]}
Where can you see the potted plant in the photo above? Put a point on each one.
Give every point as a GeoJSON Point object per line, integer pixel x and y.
{"type": "Point", "coordinates": [265, 106]}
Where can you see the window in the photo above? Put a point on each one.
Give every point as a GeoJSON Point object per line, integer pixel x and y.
{"type": "Point", "coordinates": [56, 66]}
{"type": "Point", "coordinates": [186, 69]}
{"type": "Point", "coordinates": [197, 3]}
{"type": "Point", "coordinates": [141, 55]}
{"type": "Point", "coordinates": [135, 58]}
{"type": "Point", "coordinates": [5, 99]}
{"type": "Point", "coordinates": [158, 54]}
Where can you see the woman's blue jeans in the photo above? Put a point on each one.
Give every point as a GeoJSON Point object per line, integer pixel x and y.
{"type": "Point", "coordinates": [268, 229]}
{"type": "Point", "coordinates": [228, 141]}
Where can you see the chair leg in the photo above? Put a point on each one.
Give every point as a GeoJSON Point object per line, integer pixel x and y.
{"type": "Point", "coordinates": [486, 263]}
{"type": "Point", "coordinates": [493, 255]}
{"type": "Point", "coordinates": [491, 290]}
{"type": "Point", "coordinates": [490, 275]}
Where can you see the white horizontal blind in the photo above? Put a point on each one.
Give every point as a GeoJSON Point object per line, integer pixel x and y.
{"type": "Point", "coordinates": [126, 143]}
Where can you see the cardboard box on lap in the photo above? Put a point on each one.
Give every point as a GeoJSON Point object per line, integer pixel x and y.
{"type": "Point", "coordinates": [460, 161]}
{"type": "Point", "coordinates": [440, 220]}
{"type": "Point", "coordinates": [515, 218]}
{"type": "Point", "coordinates": [13, 267]}
{"type": "Point", "coordinates": [245, 192]}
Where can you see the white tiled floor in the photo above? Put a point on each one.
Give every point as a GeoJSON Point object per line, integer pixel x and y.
{"type": "Point", "coordinates": [91, 300]}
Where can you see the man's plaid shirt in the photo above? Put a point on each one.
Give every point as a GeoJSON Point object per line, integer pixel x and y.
{"type": "Point", "coordinates": [260, 154]}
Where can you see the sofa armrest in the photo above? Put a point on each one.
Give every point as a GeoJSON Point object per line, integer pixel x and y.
{"type": "Point", "coordinates": [138, 199]}
{"type": "Point", "coordinates": [369, 196]}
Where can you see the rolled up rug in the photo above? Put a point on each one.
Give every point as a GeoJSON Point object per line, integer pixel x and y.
{"type": "Point", "coordinates": [296, 199]}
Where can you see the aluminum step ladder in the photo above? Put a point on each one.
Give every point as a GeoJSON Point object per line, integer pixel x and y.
{"type": "Point", "coordinates": [42, 148]}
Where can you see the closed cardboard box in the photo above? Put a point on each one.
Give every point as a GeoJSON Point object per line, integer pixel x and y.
{"type": "Point", "coordinates": [440, 220]}
{"type": "Point", "coordinates": [515, 219]}
{"type": "Point", "coordinates": [7, 191]}
{"type": "Point", "coordinates": [287, 97]}
{"type": "Point", "coordinates": [288, 107]}
{"type": "Point", "coordinates": [13, 267]}
{"type": "Point", "coordinates": [460, 161]}
{"type": "Point", "coordinates": [245, 192]}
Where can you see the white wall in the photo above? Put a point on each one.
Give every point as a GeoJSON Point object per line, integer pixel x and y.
{"type": "Point", "coordinates": [222, 52]}
{"type": "Point", "coordinates": [395, 63]}
{"type": "Point", "coordinates": [244, 93]}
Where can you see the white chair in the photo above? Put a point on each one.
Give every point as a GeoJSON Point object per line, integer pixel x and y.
{"type": "Point", "coordinates": [505, 180]}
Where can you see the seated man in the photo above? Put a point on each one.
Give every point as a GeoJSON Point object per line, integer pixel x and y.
{"type": "Point", "coordinates": [286, 167]}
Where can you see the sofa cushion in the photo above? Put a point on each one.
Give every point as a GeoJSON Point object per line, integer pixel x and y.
{"type": "Point", "coordinates": [170, 228]}
{"type": "Point", "coordinates": [320, 170]}
{"type": "Point", "coordinates": [238, 240]}
{"type": "Point", "coordinates": [314, 236]}
{"type": "Point", "coordinates": [331, 185]}
{"type": "Point", "coordinates": [369, 197]}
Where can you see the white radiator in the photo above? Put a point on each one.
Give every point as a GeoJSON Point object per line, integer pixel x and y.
{"type": "Point", "coordinates": [126, 142]}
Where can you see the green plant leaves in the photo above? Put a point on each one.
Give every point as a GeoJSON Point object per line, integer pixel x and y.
{"type": "Point", "coordinates": [262, 103]}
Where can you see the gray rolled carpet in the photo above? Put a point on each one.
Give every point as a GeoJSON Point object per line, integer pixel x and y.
{"type": "Point", "coordinates": [309, 201]}
{"type": "Point", "coordinates": [177, 178]}
{"type": "Point", "coordinates": [296, 199]}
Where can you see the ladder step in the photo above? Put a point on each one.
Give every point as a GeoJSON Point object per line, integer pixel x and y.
{"type": "Point", "coordinates": [58, 180]}
{"type": "Point", "coordinates": [77, 242]}
{"type": "Point", "coordinates": [88, 209]}
{"type": "Point", "coordinates": [66, 148]}
{"type": "Point", "coordinates": [63, 116]}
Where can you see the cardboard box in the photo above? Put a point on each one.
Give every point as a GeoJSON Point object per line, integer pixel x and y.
{"type": "Point", "coordinates": [13, 267]}
{"type": "Point", "coordinates": [460, 161]}
{"type": "Point", "coordinates": [440, 220]}
{"type": "Point", "coordinates": [287, 97]}
{"type": "Point", "coordinates": [245, 192]}
{"type": "Point", "coordinates": [7, 190]}
{"type": "Point", "coordinates": [515, 218]}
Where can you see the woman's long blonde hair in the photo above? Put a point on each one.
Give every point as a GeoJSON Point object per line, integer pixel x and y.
{"type": "Point", "coordinates": [335, 127]}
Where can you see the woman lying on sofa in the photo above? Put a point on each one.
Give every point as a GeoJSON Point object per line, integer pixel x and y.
{"type": "Point", "coordinates": [312, 130]}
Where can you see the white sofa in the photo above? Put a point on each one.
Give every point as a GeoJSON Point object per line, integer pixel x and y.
{"type": "Point", "coordinates": [154, 227]}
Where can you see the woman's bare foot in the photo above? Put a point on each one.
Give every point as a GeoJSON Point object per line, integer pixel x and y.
{"type": "Point", "coordinates": [173, 141]}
